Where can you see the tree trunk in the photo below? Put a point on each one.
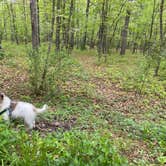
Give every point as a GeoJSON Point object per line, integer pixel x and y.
{"type": "Point", "coordinates": [161, 21]}
{"type": "Point", "coordinates": [102, 34]}
{"type": "Point", "coordinates": [50, 39]}
{"type": "Point", "coordinates": [86, 25]}
{"type": "Point", "coordinates": [72, 27]}
{"type": "Point", "coordinates": [161, 37]}
{"type": "Point", "coordinates": [13, 18]}
{"type": "Point", "coordinates": [116, 21]}
{"type": "Point", "coordinates": [52, 27]}
{"type": "Point", "coordinates": [5, 24]}
{"type": "Point", "coordinates": [25, 22]}
{"type": "Point", "coordinates": [34, 24]}
{"type": "Point", "coordinates": [92, 39]}
{"type": "Point", "coordinates": [35, 45]}
{"type": "Point", "coordinates": [63, 24]}
{"type": "Point", "coordinates": [124, 33]}
{"type": "Point", "coordinates": [58, 26]}
{"type": "Point", "coordinates": [1, 35]}
{"type": "Point", "coordinates": [78, 43]}
{"type": "Point", "coordinates": [152, 21]}
{"type": "Point", "coordinates": [38, 19]}
{"type": "Point", "coordinates": [68, 29]}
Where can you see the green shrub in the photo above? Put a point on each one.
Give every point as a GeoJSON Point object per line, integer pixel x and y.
{"type": "Point", "coordinates": [56, 66]}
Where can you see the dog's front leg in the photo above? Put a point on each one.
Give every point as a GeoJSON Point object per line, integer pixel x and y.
{"type": "Point", "coordinates": [6, 116]}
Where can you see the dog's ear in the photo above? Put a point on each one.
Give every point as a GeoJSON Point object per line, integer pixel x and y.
{"type": "Point", "coordinates": [1, 96]}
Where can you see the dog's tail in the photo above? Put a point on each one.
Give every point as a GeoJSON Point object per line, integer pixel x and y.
{"type": "Point", "coordinates": [43, 109]}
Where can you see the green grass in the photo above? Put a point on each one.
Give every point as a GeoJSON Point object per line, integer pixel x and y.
{"type": "Point", "coordinates": [104, 133]}
{"type": "Point", "coordinates": [69, 148]}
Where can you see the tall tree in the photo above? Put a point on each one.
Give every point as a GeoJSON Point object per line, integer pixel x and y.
{"type": "Point", "coordinates": [72, 30]}
{"type": "Point", "coordinates": [50, 39]}
{"type": "Point", "coordinates": [102, 34]}
{"type": "Point", "coordinates": [124, 33]}
{"type": "Point", "coordinates": [69, 28]}
{"type": "Point", "coordinates": [92, 39]}
{"type": "Point", "coordinates": [35, 45]}
{"type": "Point", "coordinates": [34, 24]}
{"type": "Point", "coordinates": [83, 45]}
{"type": "Point", "coordinates": [116, 20]}
{"type": "Point", "coordinates": [161, 37]}
{"type": "Point", "coordinates": [63, 24]}
{"type": "Point", "coordinates": [38, 19]}
{"type": "Point", "coordinates": [25, 22]}
{"type": "Point", "coordinates": [13, 25]}
{"type": "Point", "coordinates": [58, 25]}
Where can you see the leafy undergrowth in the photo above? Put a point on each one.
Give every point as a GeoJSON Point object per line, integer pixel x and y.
{"type": "Point", "coordinates": [69, 148]}
{"type": "Point", "coordinates": [93, 120]}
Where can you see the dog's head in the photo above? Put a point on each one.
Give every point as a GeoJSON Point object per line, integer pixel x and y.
{"type": "Point", "coordinates": [2, 95]}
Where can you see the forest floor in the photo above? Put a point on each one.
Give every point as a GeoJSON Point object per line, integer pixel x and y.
{"type": "Point", "coordinates": [93, 100]}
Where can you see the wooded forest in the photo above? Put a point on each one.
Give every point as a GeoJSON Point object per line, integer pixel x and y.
{"type": "Point", "coordinates": [100, 66]}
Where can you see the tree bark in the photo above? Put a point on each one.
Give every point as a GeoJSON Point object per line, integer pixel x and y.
{"type": "Point", "coordinates": [68, 29]}
{"type": "Point", "coordinates": [102, 34]}
{"type": "Point", "coordinates": [72, 32]}
{"type": "Point", "coordinates": [78, 43]}
{"type": "Point", "coordinates": [38, 19]}
{"type": "Point", "coordinates": [34, 24]}
{"type": "Point", "coordinates": [58, 26]}
{"type": "Point", "coordinates": [25, 22]}
{"type": "Point", "coordinates": [152, 20]}
{"type": "Point", "coordinates": [14, 32]}
{"type": "Point", "coordinates": [92, 39]}
{"type": "Point", "coordinates": [116, 21]}
{"type": "Point", "coordinates": [86, 25]}
{"type": "Point", "coordinates": [161, 37]}
{"type": "Point", "coordinates": [161, 21]}
{"type": "Point", "coordinates": [50, 39]}
{"type": "Point", "coordinates": [63, 24]}
{"type": "Point", "coordinates": [124, 33]}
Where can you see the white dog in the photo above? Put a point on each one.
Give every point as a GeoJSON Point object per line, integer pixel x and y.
{"type": "Point", "coordinates": [26, 111]}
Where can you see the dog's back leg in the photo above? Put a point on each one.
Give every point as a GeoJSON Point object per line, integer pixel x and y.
{"type": "Point", "coordinates": [29, 123]}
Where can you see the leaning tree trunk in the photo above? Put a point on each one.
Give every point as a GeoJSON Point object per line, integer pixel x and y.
{"type": "Point", "coordinates": [124, 33]}
{"type": "Point", "coordinates": [116, 21]}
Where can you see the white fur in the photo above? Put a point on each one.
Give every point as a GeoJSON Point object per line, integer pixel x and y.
{"type": "Point", "coordinates": [26, 111]}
